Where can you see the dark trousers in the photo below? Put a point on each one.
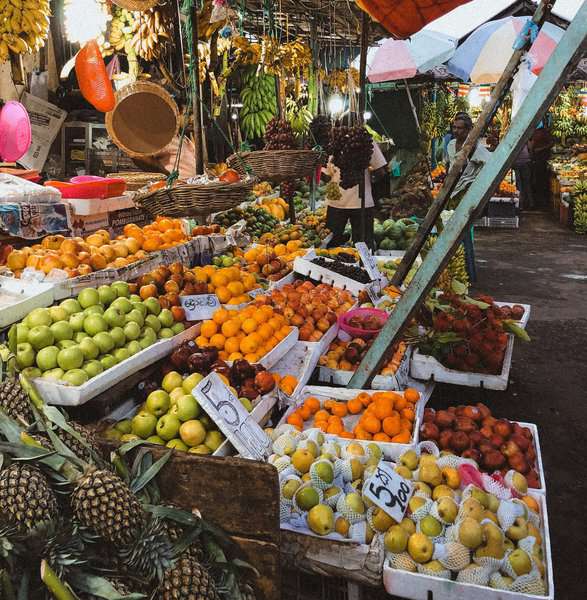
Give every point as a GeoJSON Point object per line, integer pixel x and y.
{"type": "Point", "coordinates": [336, 220]}
{"type": "Point", "coordinates": [541, 183]}
{"type": "Point", "coordinates": [524, 184]}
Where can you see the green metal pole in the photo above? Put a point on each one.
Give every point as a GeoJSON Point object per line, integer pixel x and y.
{"type": "Point", "coordinates": [544, 92]}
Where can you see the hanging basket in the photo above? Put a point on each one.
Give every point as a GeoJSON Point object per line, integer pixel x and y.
{"type": "Point", "coordinates": [144, 121]}
{"type": "Point", "coordinates": [193, 200]}
{"type": "Point", "coordinates": [135, 180]}
{"type": "Point", "coordinates": [136, 5]}
{"type": "Point", "coordinates": [277, 165]}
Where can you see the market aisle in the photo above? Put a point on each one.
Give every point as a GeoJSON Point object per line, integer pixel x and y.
{"type": "Point", "coordinates": [545, 265]}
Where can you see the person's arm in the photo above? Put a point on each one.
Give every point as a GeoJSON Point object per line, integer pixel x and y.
{"type": "Point", "coordinates": [377, 164]}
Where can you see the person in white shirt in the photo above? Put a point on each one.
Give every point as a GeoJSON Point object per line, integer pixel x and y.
{"type": "Point", "coordinates": [349, 205]}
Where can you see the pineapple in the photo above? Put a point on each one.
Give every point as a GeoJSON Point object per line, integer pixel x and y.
{"type": "Point", "coordinates": [14, 401]}
{"type": "Point", "coordinates": [175, 532]}
{"type": "Point", "coordinates": [26, 498]}
{"type": "Point", "coordinates": [79, 449]}
{"type": "Point", "coordinates": [187, 579]}
{"type": "Point", "coordinates": [104, 503]}
{"type": "Point", "coordinates": [122, 587]}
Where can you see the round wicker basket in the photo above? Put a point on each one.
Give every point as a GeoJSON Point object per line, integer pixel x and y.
{"type": "Point", "coordinates": [144, 121]}
{"type": "Point", "coordinates": [277, 165]}
{"type": "Point", "coordinates": [136, 5]}
{"type": "Point", "coordinates": [135, 180]}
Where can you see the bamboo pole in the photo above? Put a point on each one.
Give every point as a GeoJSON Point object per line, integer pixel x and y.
{"type": "Point", "coordinates": [197, 108]}
{"type": "Point", "coordinates": [362, 103]}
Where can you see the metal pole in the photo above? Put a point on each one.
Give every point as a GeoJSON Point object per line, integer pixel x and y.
{"type": "Point", "coordinates": [544, 92]}
{"type": "Point", "coordinates": [463, 156]}
{"type": "Point", "coordinates": [362, 103]}
{"type": "Point", "coordinates": [199, 147]}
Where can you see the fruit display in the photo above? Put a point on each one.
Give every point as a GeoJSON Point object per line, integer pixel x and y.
{"type": "Point", "coordinates": [388, 269]}
{"type": "Point", "coordinates": [24, 26]}
{"type": "Point", "coordinates": [506, 189]}
{"type": "Point", "coordinates": [312, 308]}
{"type": "Point", "coordinates": [205, 230]}
{"type": "Point", "coordinates": [367, 322]}
{"type": "Point", "coordinates": [351, 149]}
{"type": "Point", "coordinates": [468, 334]}
{"type": "Point", "coordinates": [580, 206]}
{"type": "Point", "coordinates": [258, 221]}
{"type": "Point", "coordinates": [259, 102]}
{"type": "Point", "coordinates": [494, 444]}
{"type": "Point", "coordinates": [82, 337]}
{"type": "Point", "coordinates": [378, 416]}
{"type": "Point", "coordinates": [346, 356]}
{"type": "Point", "coordinates": [348, 255]}
{"type": "Point", "coordinates": [301, 196]}
{"type": "Point", "coordinates": [457, 529]}
{"type": "Point", "coordinates": [277, 207]}
{"type": "Point", "coordinates": [343, 268]}
{"type": "Point", "coordinates": [264, 188]}
{"type": "Point", "coordinates": [438, 173]}
{"type": "Point", "coordinates": [279, 135]}
{"type": "Point", "coordinates": [249, 333]}
{"type": "Point", "coordinates": [394, 235]}
{"type": "Point", "coordinates": [273, 262]}
{"type": "Point", "coordinates": [310, 228]}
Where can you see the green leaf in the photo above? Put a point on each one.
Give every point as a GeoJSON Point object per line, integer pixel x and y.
{"type": "Point", "coordinates": [98, 586]}
{"type": "Point", "coordinates": [173, 514]}
{"type": "Point", "coordinates": [9, 428]}
{"type": "Point", "coordinates": [243, 564]}
{"type": "Point", "coordinates": [57, 418]}
{"type": "Point", "coordinates": [514, 328]}
{"type": "Point", "coordinates": [125, 448]}
{"type": "Point", "coordinates": [458, 287]}
{"type": "Point", "coordinates": [481, 305]}
{"type": "Point", "coordinates": [150, 473]}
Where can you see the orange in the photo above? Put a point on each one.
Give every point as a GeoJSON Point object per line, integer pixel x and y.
{"type": "Point", "coordinates": [219, 279]}
{"type": "Point", "coordinates": [202, 341]}
{"type": "Point", "coordinates": [305, 412]}
{"type": "Point", "coordinates": [223, 294]}
{"type": "Point", "coordinates": [361, 434]}
{"type": "Point", "coordinates": [405, 424]}
{"type": "Point", "coordinates": [531, 503]}
{"type": "Point", "coordinates": [275, 323]}
{"type": "Point", "coordinates": [285, 330]}
{"type": "Point", "coordinates": [152, 243]}
{"type": "Point", "coordinates": [411, 395]}
{"type": "Point", "coordinates": [231, 328]}
{"type": "Point", "coordinates": [260, 316]}
{"type": "Point", "coordinates": [335, 428]}
{"type": "Point", "coordinates": [347, 434]}
{"type": "Point", "coordinates": [265, 331]}
{"type": "Point", "coordinates": [329, 404]}
{"type": "Point", "coordinates": [218, 340]}
{"type": "Point", "coordinates": [365, 398]}
{"type": "Point", "coordinates": [403, 437]}
{"type": "Point", "coordinates": [334, 419]}
{"type": "Point", "coordinates": [383, 408]}
{"type": "Point", "coordinates": [355, 406]}
{"type": "Point", "coordinates": [408, 413]}
{"type": "Point", "coordinates": [236, 288]}
{"type": "Point", "coordinates": [223, 355]}
{"type": "Point", "coordinates": [400, 403]}
{"type": "Point", "coordinates": [296, 420]}
{"type": "Point", "coordinates": [221, 316]}
{"type": "Point", "coordinates": [313, 404]}
{"type": "Point", "coordinates": [248, 345]}
{"type": "Point", "coordinates": [232, 344]}
{"type": "Point", "coordinates": [249, 325]}
{"type": "Point", "coordinates": [164, 224]}
{"type": "Point", "coordinates": [268, 310]}
{"type": "Point", "coordinates": [339, 409]}
{"type": "Point", "coordinates": [391, 425]}
{"type": "Point", "coordinates": [252, 358]}
{"type": "Point", "coordinates": [322, 425]}
{"type": "Point", "coordinates": [321, 415]}
{"type": "Point", "coordinates": [272, 341]}
{"type": "Point", "coordinates": [235, 356]}
{"type": "Point", "coordinates": [372, 424]}
{"type": "Point", "coordinates": [209, 328]}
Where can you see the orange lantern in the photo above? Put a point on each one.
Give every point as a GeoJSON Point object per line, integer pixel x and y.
{"type": "Point", "coordinates": [92, 77]}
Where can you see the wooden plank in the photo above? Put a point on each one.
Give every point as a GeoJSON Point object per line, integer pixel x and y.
{"type": "Point", "coordinates": [265, 557]}
{"type": "Point", "coordinates": [544, 91]}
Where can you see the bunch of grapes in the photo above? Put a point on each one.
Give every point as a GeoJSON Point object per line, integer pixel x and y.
{"type": "Point", "coordinates": [279, 135]}
{"type": "Point", "coordinates": [351, 148]}
{"type": "Point", "coordinates": [287, 189]}
{"type": "Point", "coordinates": [320, 128]}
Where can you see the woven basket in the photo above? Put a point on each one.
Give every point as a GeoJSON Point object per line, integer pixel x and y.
{"type": "Point", "coordinates": [144, 121]}
{"type": "Point", "coordinates": [135, 180]}
{"type": "Point", "coordinates": [136, 5]}
{"type": "Point", "coordinates": [191, 200]}
{"type": "Point", "coordinates": [277, 165]}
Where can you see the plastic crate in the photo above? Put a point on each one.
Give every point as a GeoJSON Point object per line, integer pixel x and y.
{"type": "Point", "coordinates": [503, 222]}
{"type": "Point", "coordinates": [503, 207]}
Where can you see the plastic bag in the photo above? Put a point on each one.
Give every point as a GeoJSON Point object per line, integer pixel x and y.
{"type": "Point", "coordinates": [521, 85]}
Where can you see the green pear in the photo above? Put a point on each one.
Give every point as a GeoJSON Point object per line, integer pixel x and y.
{"type": "Point", "coordinates": [520, 562]}
{"type": "Point", "coordinates": [480, 496]}
{"type": "Point", "coordinates": [396, 539]}
{"type": "Point", "coordinates": [493, 503]}
{"type": "Point", "coordinates": [470, 533]}
{"type": "Point", "coordinates": [355, 502]}
{"type": "Point", "coordinates": [430, 526]}
{"type": "Point", "coordinates": [290, 487]}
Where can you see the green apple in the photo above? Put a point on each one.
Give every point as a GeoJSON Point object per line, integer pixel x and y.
{"type": "Point", "coordinates": [148, 338]}
{"type": "Point", "coordinates": [132, 331]}
{"type": "Point", "coordinates": [22, 333]}
{"type": "Point", "coordinates": [38, 317]}
{"type": "Point", "coordinates": [158, 403]}
{"type": "Point", "coordinates": [32, 372]}
{"type": "Point", "coordinates": [191, 381]}
{"type": "Point", "coordinates": [70, 358]}
{"type": "Point", "coordinates": [124, 305]}
{"type": "Point", "coordinates": [172, 380]}
{"type": "Point", "coordinates": [41, 336]}
{"type": "Point", "coordinates": [25, 355]}
{"type": "Point", "coordinates": [107, 295]}
{"type": "Point", "coordinates": [88, 297]}
{"type": "Point", "coordinates": [136, 316]}
{"type": "Point", "coordinates": [58, 313]}
{"type": "Point", "coordinates": [187, 407]}
{"type": "Point", "coordinates": [168, 427]}
{"type": "Point", "coordinates": [177, 444]}
{"type": "Point", "coordinates": [213, 439]}
{"type": "Point", "coordinates": [104, 341]}
{"type": "Point", "coordinates": [173, 409]}
{"type": "Point", "coordinates": [133, 347]}
{"type": "Point", "coordinates": [155, 439]}
{"type": "Point", "coordinates": [71, 306]}
{"type": "Point", "coordinates": [93, 368]}
{"type": "Point", "coordinates": [129, 437]}
{"type": "Point", "coordinates": [143, 424]}
{"type": "Point", "coordinates": [121, 354]}
{"type": "Point", "coordinates": [94, 324]}
{"type": "Point", "coordinates": [175, 394]}
{"type": "Point", "coordinates": [108, 361]}
{"type": "Point", "coordinates": [56, 374]}
{"type": "Point", "coordinates": [75, 377]}
{"type": "Point", "coordinates": [166, 333]}
{"type": "Point", "coordinates": [89, 348]}
{"type": "Point", "coordinates": [47, 358]}
{"type": "Point", "coordinates": [117, 335]}
{"type": "Point", "coordinates": [62, 330]}
{"type": "Point", "coordinates": [79, 336]}
{"type": "Point", "coordinates": [77, 321]}
{"type": "Point", "coordinates": [166, 317]}
{"type": "Point", "coordinates": [177, 328]}
{"type": "Point", "coordinates": [207, 422]}
{"type": "Point", "coordinates": [141, 308]}
{"type": "Point", "coordinates": [152, 305]}
{"type": "Point", "coordinates": [65, 344]}
{"type": "Point", "coordinates": [124, 426]}
{"type": "Point", "coordinates": [135, 298]}
{"type": "Point", "coordinates": [96, 309]}
{"type": "Point", "coordinates": [153, 322]}
{"type": "Point", "coordinates": [246, 403]}
{"type": "Point", "coordinates": [114, 317]}
{"type": "Point", "coordinates": [121, 288]}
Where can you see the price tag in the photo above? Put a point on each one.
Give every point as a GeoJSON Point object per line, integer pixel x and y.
{"type": "Point", "coordinates": [256, 292]}
{"type": "Point", "coordinates": [232, 418]}
{"type": "Point", "coordinates": [368, 260]}
{"type": "Point", "coordinates": [389, 491]}
{"type": "Point", "coordinates": [200, 307]}
{"type": "Point", "coordinates": [373, 294]}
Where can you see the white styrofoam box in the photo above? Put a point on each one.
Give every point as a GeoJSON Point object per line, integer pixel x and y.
{"type": "Point", "coordinates": [300, 362]}
{"type": "Point", "coordinates": [18, 298]}
{"type": "Point", "coordinates": [391, 451]}
{"type": "Point", "coordinates": [59, 393]}
{"type": "Point", "coordinates": [289, 278]}
{"type": "Point", "coordinates": [427, 367]}
{"type": "Point", "coordinates": [279, 351]}
{"type": "Point", "coordinates": [539, 467]}
{"type": "Point", "coordinates": [415, 586]}
{"type": "Point", "coordinates": [523, 322]}
{"type": "Point", "coordinates": [92, 206]}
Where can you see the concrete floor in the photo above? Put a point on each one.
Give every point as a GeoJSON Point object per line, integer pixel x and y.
{"type": "Point", "coordinates": [545, 265]}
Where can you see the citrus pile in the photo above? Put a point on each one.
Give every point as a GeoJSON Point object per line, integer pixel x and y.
{"type": "Point", "coordinates": [384, 416]}
{"type": "Point", "coordinates": [249, 333]}
{"type": "Point", "coordinates": [230, 284]}
{"type": "Point", "coordinates": [163, 233]}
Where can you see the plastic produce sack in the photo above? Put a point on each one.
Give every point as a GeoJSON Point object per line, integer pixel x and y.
{"type": "Point", "coordinates": [521, 85]}
{"type": "Point", "coordinates": [93, 78]}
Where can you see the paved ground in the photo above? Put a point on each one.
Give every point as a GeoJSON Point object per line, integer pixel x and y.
{"type": "Point", "coordinates": [545, 265]}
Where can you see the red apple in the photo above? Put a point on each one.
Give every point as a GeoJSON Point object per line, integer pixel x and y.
{"type": "Point", "coordinates": [472, 412]}
{"type": "Point", "coordinates": [496, 440]}
{"type": "Point", "coordinates": [533, 479]}
{"type": "Point", "coordinates": [429, 431]}
{"type": "Point", "coordinates": [484, 410]}
{"type": "Point", "coordinates": [465, 424]}
{"type": "Point", "coordinates": [520, 441]}
{"type": "Point", "coordinates": [476, 438]}
{"type": "Point", "coordinates": [489, 421]}
{"type": "Point", "coordinates": [444, 419]}
{"type": "Point", "coordinates": [486, 446]}
{"type": "Point", "coordinates": [459, 441]}
{"type": "Point", "coordinates": [509, 448]}
{"type": "Point", "coordinates": [526, 433]}
{"type": "Point", "coordinates": [493, 460]}
{"type": "Point", "coordinates": [519, 463]}
{"type": "Point", "coordinates": [486, 431]}
{"type": "Point", "coordinates": [452, 409]}
{"type": "Point", "coordinates": [445, 439]}
{"type": "Point", "coordinates": [504, 428]}
{"type": "Point", "coordinates": [531, 454]}
{"type": "Point", "coordinates": [429, 415]}
{"type": "Point", "coordinates": [472, 453]}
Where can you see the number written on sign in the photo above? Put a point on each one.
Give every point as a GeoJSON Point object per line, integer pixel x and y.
{"type": "Point", "coordinates": [389, 491]}
{"type": "Point", "coordinates": [368, 260]}
{"type": "Point", "coordinates": [198, 307]}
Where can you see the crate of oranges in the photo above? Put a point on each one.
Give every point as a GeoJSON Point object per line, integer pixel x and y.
{"type": "Point", "coordinates": [391, 419]}
{"type": "Point", "coordinates": [257, 334]}
{"type": "Point", "coordinates": [230, 284]}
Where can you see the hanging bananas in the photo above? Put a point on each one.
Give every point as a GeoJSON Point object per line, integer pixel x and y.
{"type": "Point", "coordinates": [259, 103]}
{"type": "Point", "coordinates": [580, 206]}
{"type": "Point", "coordinates": [24, 26]}
{"type": "Point", "coordinates": [291, 58]}
{"type": "Point", "coordinates": [299, 117]}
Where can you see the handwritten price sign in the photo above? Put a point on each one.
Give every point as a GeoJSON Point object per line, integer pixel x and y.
{"type": "Point", "coordinates": [368, 261]}
{"type": "Point", "coordinates": [389, 491]}
{"type": "Point", "coordinates": [200, 307]}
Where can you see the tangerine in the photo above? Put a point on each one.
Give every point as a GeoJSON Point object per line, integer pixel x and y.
{"type": "Point", "coordinates": [335, 428]}
{"type": "Point", "coordinates": [235, 356]}
{"type": "Point", "coordinates": [251, 357]}
{"type": "Point", "coordinates": [248, 345]}
{"type": "Point", "coordinates": [403, 437]}
{"type": "Point", "coordinates": [347, 434]}
{"type": "Point", "coordinates": [232, 345]}
{"type": "Point", "coordinates": [339, 409]}
{"type": "Point", "coordinates": [383, 408]}
{"type": "Point", "coordinates": [209, 328]}
{"type": "Point", "coordinates": [321, 415]}
{"type": "Point", "coordinates": [313, 404]}
{"type": "Point", "coordinates": [381, 437]}
{"type": "Point", "coordinates": [408, 413]}
{"type": "Point", "coordinates": [365, 398]}
{"type": "Point", "coordinates": [218, 341]}
{"type": "Point", "coordinates": [223, 293]}
{"type": "Point", "coordinates": [355, 406]}
{"type": "Point", "coordinates": [202, 341]}
{"type": "Point", "coordinates": [221, 316]}
{"type": "Point", "coordinates": [296, 420]}
{"type": "Point", "coordinates": [249, 325]}
{"type": "Point", "coordinates": [231, 328]}
{"type": "Point", "coordinates": [391, 425]}
{"type": "Point", "coordinates": [305, 412]}
{"type": "Point", "coordinates": [371, 424]}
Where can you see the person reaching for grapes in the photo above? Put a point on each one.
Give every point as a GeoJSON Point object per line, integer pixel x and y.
{"type": "Point", "coordinates": [352, 147]}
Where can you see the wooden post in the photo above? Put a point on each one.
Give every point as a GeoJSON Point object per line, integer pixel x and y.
{"type": "Point", "coordinates": [362, 104]}
{"type": "Point", "coordinates": [544, 91]}
{"type": "Point", "coordinates": [463, 156]}
{"type": "Point", "coordinates": [199, 146]}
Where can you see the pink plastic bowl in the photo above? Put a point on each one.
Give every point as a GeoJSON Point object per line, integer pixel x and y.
{"type": "Point", "coordinates": [355, 331]}
{"type": "Point", "coordinates": [15, 131]}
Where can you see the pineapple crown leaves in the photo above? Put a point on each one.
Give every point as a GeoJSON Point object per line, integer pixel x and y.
{"type": "Point", "coordinates": [6, 587]}
{"type": "Point", "coordinates": [100, 587]}
{"type": "Point", "coordinates": [144, 471]}
{"type": "Point", "coordinates": [193, 525]}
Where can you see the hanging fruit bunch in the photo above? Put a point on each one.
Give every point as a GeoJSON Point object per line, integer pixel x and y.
{"type": "Point", "coordinates": [259, 102]}
{"type": "Point", "coordinates": [580, 207]}
{"type": "Point", "coordinates": [24, 26]}
{"type": "Point", "coordinates": [351, 148]}
{"type": "Point", "coordinates": [568, 119]}
{"type": "Point", "coordinates": [338, 80]}
{"type": "Point", "coordinates": [279, 135]}
{"type": "Point", "coordinates": [320, 128]}
{"type": "Point", "coordinates": [299, 116]}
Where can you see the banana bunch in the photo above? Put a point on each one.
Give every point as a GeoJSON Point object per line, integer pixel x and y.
{"type": "Point", "coordinates": [120, 34]}
{"type": "Point", "coordinates": [580, 206]}
{"type": "Point", "coordinates": [259, 103]}
{"type": "Point", "coordinates": [456, 268]}
{"type": "Point", "coordinates": [151, 32]}
{"type": "Point", "coordinates": [24, 26]}
{"type": "Point", "coordinates": [339, 79]}
{"type": "Point", "coordinates": [299, 117]}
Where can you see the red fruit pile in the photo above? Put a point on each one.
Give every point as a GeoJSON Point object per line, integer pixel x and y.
{"type": "Point", "coordinates": [473, 432]}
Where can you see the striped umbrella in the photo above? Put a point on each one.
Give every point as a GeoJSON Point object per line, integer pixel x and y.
{"type": "Point", "coordinates": [484, 55]}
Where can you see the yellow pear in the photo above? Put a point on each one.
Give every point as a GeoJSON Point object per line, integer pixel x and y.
{"type": "Point", "coordinates": [472, 508]}
{"type": "Point", "coordinates": [520, 562]}
{"type": "Point", "coordinates": [430, 473]}
{"type": "Point", "coordinates": [423, 488]}
{"type": "Point", "coordinates": [396, 539]}
{"type": "Point", "coordinates": [409, 460]}
{"type": "Point", "coordinates": [415, 503]}
{"type": "Point", "coordinates": [403, 472]}
{"type": "Point", "coordinates": [381, 520]}
{"type": "Point", "coordinates": [434, 565]}
{"type": "Point", "coordinates": [420, 547]}
{"type": "Point", "coordinates": [447, 509]}
{"type": "Point", "coordinates": [408, 525]}
{"type": "Point", "coordinates": [470, 533]}
{"type": "Point", "coordinates": [493, 545]}
{"type": "Point", "coordinates": [427, 459]}
{"type": "Point", "coordinates": [342, 526]}
{"type": "Point", "coordinates": [302, 460]}
{"type": "Point", "coordinates": [442, 490]}
{"type": "Point", "coordinates": [430, 526]}
{"type": "Point", "coordinates": [321, 519]}
{"type": "Point", "coordinates": [451, 477]}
